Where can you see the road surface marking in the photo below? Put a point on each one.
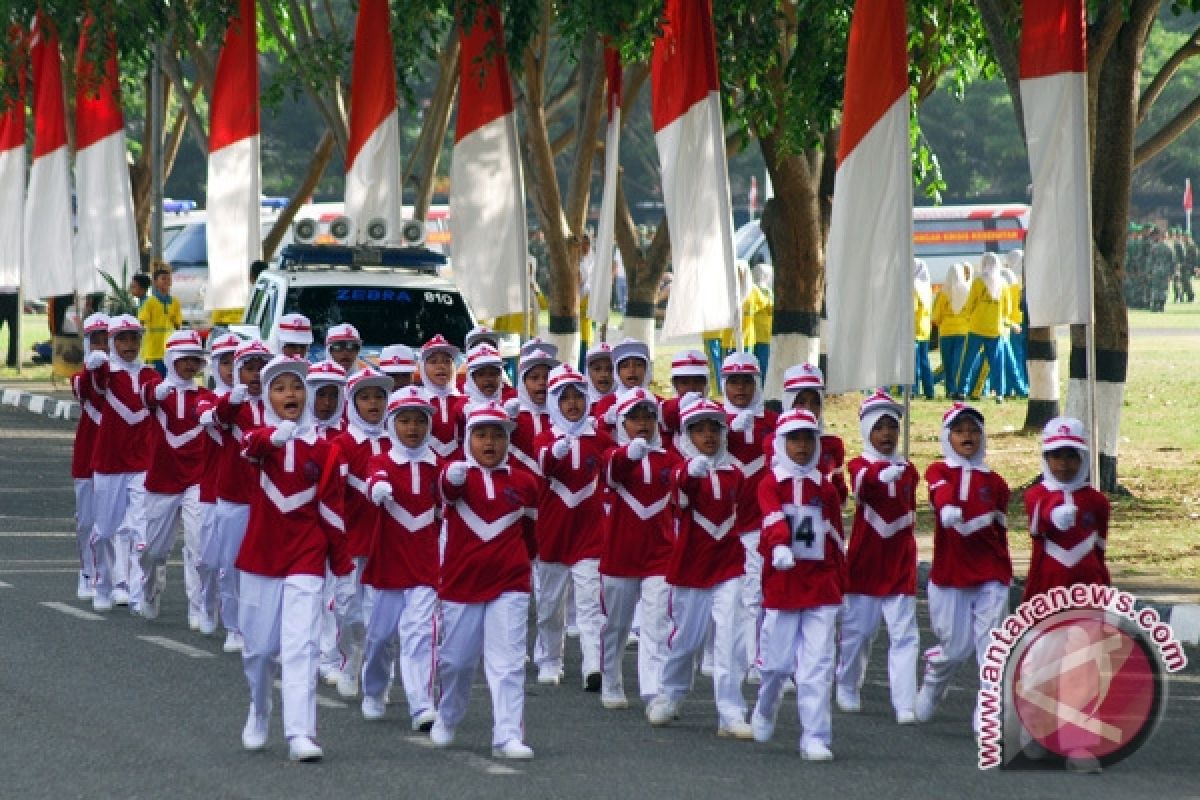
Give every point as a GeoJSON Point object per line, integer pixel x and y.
{"type": "Point", "coordinates": [470, 759]}
{"type": "Point", "coordinates": [72, 611]}
{"type": "Point", "coordinates": [323, 702]}
{"type": "Point", "coordinates": [177, 647]}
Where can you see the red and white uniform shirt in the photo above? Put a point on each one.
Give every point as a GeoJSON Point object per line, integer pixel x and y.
{"type": "Point", "coordinates": [832, 462]}
{"type": "Point", "coordinates": [182, 447]}
{"type": "Point", "coordinates": [571, 512]}
{"type": "Point", "coordinates": [975, 551]}
{"type": "Point", "coordinates": [707, 550]}
{"type": "Point", "coordinates": [123, 439]}
{"type": "Point", "coordinates": [91, 401]}
{"type": "Point", "coordinates": [882, 556]}
{"type": "Point", "coordinates": [639, 529]}
{"type": "Point", "coordinates": [238, 476]}
{"type": "Point", "coordinates": [804, 515]}
{"type": "Point", "coordinates": [748, 450]}
{"type": "Point", "coordinates": [1066, 557]}
{"type": "Point", "coordinates": [404, 553]}
{"type": "Point", "coordinates": [530, 425]}
{"type": "Point", "coordinates": [356, 449]}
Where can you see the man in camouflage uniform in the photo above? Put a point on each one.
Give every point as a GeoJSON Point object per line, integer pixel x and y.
{"type": "Point", "coordinates": [1135, 259]}
{"type": "Point", "coordinates": [1161, 267]}
{"type": "Point", "coordinates": [1187, 267]}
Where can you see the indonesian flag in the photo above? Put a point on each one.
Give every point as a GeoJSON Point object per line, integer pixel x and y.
{"type": "Point", "coordinates": [106, 234]}
{"type": "Point", "coordinates": [234, 171]}
{"type": "Point", "coordinates": [12, 176]}
{"type": "Point", "coordinates": [487, 192]}
{"type": "Point", "coordinates": [48, 264]}
{"type": "Point", "coordinates": [1058, 249]}
{"type": "Point", "coordinates": [601, 278]}
{"type": "Point", "coordinates": [373, 157]}
{"type": "Point", "coordinates": [869, 257]}
{"type": "Point", "coordinates": [1187, 194]}
{"type": "Point", "coordinates": [690, 134]}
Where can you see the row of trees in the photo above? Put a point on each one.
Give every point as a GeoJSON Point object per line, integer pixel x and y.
{"type": "Point", "coordinates": [782, 64]}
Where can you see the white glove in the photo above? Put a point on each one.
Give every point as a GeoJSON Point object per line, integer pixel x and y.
{"type": "Point", "coordinates": [782, 558]}
{"type": "Point", "coordinates": [380, 491]}
{"type": "Point", "coordinates": [561, 448]}
{"type": "Point", "coordinates": [637, 449]}
{"type": "Point", "coordinates": [161, 390]}
{"type": "Point", "coordinates": [237, 395]}
{"type": "Point", "coordinates": [343, 592]}
{"type": "Point", "coordinates": [96, 359]}
{"type": "Point", "coordinates": [456, 473]}
{"type": "Point", "coordinates": [892, 473]}
{"type": "Point", "coordinates": [208, 418]}
{"type": "Point", "coordinates": [698, 466]}
{"type": "Point", "coordinates": [512, 408]}
{"type": "Point", "coordinates": [1064, 517]}
{"type": "Point", "coordinates": [951, 516]}
{"type": "Point", "coordinates": [284, 431]}
{"type": "Point", "coordinates": [610, 416]}
{"type": "Point", "coordinates": [743, 422]}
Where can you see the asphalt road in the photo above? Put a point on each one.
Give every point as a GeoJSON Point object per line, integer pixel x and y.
{"type": "Point", "coordinates": [112, 706]}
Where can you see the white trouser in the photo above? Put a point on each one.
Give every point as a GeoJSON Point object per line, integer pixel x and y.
{"type": "Point", "coordinates": [118, 529]}
{"type": "Point", "coordinates": [622, 598]}
{"type": "Point", "coordinates": [961, 619]}
{"type": "Point", "coordinates": [331, 656]}
{"type": "Point", "coordinates": [407, 614]}
{"type": "Point", "coordinates": [207, 560]}
{"type": "Point", "coordinates": [163, 512]}
{"type": "Point", "coordinates": [231, 529]}
{"type": "Point", "coordinates": [752, 596]}
{"type": "Point", "coordinates": [861, 614]}
{"type": "Point", "coordinates": [551, 602]}
{"type": "Point", "coordinates": [691, 612]}
{"type": "Point", "coordinates": [85, 518]}
{"type": "Point", "coordinates": [800, 643]}
{"type": "Point", "coordinates": [495, 629]}
{"type": "Point", "coordinates": [352, 621]}
{"type": "Point", "coordinates": [279, 618]}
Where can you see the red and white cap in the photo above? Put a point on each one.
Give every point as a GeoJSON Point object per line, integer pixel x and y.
{"type": "Point", "coordinates": [689, 363]}
{"type": "Point", "coordinates": [251, 348]}
{"type": "Point", "coordinates": [409, 398]}
{"type": "Point", "coordinates": [565, 375]}
{"type": "Point", "coordinates": [600, 351]}
{"type": "Point", "coordinates": [957, 410]}
{"type": "Point", "coordinates": [483, 355]}
{"type": "Point", "coordinates": [397, 359]}
{"type": "Point", "coordinates": [740, 363]}
{"type": "Point", "coordinates": [479, 335]}
{"type": "Point", "coordinates": [630, 348]}
{"type": "Point", "coordinates": [439, 344]}
{"type": "Point", "coordinates": [489, 414]}
{"type": "Point", "coordinates": [283, 364]}
{"type": "Point", "coordinates": [536, 358]}
{"type": "Point", "coordinates": [798, 419]}
{"type": "Point", "coordinates": [366, 377]}
{"type": "Point", "coordinates": [700, 408]}
{"type": "Point", "coordinates": [294, 329]}
{"type": "Point", "coordinates": [327, 372]}
{"type": "Point", "coordinates": [225, 343]}
{"type": "Point", "coordinates": [803, 376]}
{"type": "Point", "coordinates": [880, 402]}
{"type": "Point", "coordinates": [630, 399]}
{"type": "Point", "coordinates": [186, 341]}
{"type": "Point", "coordinates": [95, 323]}
{"type": "Point", "coordinates": [344, 332]}
{"type": "Point", "coordinates": [1064, 432]}
{"type": "Point", "coordinates": [539, 344]}
{"type": "Point", "coordinates": [124, 323]}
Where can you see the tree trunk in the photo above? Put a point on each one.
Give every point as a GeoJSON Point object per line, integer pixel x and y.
{"type": "Point", "coordinates": [316, 168]}
{"type": "Point", "coordinates": [1041, 359]}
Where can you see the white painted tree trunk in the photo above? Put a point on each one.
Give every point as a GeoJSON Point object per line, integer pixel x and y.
{"type": "Point", "coordinates": [788, 350]}
{"type": "Point", "coordinates": [640, 328]}
{"type": "Point", "coordinates": [1109, 398]}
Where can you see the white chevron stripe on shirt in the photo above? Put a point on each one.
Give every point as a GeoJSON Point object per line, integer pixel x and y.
{"type": "Point", "coordinates": [711, 528]}
{"type": "Point", "coordinates": [130, 416]}
{"type": "Point", "coordinates": [289, 502]}
{"type": "Point", "coordinates": [976, 524]}
{"type": "Point", "coordinates": [635, 505]}
{"type": "Point", "coordinates": [573, 499]}
{"type": "Point", "coordinates": [176, 440]}
{"type": "Point", "coordinates": [486, 530]}
{"type": "Point", "coordinates": [407, 520]}
{"type": "Point", "coordinates": [1071, 556]}
{"type": "Point", "coordinates": [888, 529]}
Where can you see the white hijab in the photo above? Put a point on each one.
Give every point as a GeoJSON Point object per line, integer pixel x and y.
{"type": "Point", "coordinates": [921, 282]}
{"type": "Point", "coordinates": [958, 284]}
{"type": "Point", "coordinates": [977, 462]}
{"type": "Point", "coordinates": [989, 273]}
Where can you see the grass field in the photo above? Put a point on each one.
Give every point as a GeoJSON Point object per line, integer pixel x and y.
{"type": "Point", "coordinates": [1155, 531]}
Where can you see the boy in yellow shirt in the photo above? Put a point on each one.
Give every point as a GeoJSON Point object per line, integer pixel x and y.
{"type": "Point", "coordinates": [161, 315]}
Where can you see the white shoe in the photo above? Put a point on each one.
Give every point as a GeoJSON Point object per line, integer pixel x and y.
{"type": "Point", "coordinates": [707, 668]}
{"type": "Point", "coordinates": [789, 685]}
{"type": "Point", "coordinates": [549, 676]}
{"type": "Point", "coordinates": [233, 642]}
{"type": "Point", "coordinates": [573, 631]}
{"type": "Point", "coordinates": [440, 735]}
{"type": "Point", "coordinates": [816, 752]}
{"type": "Point", "coordinates": [254, 734]}
{"type": "Point", "coordinates": [207, 625]}
{"type": "Point", "coordinates": [848, 701]}
{"type": "Point", "coordinates": [193, 622]}
{"type": "Point", "coordinates": [735, 729]}
{"type": "Point", "coordinates": [633, 639]}
{"type": "Point", "coordinates": [927, 703]}
{"type": "Point", "coordinates": [149, 606]}
{"type": "Point", "coordinates": [423, 722]}
{"type": "Point", "coordinates": [762, 728]}
{"type": "Point", "coordinates": [373, 707]}
{"type": "Point", "coordinates": [102, 602]}
{"type": "Point", "coordinates": [660, 711]}
{"type": "Point", "coordinates": [753, 676]}
{"type": "Point", "coordinates": [906, 717]}
{"type": "Point", "coordinates": [84, 589]}
{"type": "Point", "coordinates": [302, 748]}
{"type": "Point", "coordinates": [347, 685]}
{"type": "Point", "coordinates": [514, 749]}
{"type": "Point", "coordinates": [329, 674]}
{"type": "Point", "coordinates": [120, 597]}
{"type": "Point", "coordinates": [615, 700]}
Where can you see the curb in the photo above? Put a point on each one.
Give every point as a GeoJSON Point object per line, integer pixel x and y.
{"type": "Point", "coordinates": [40, 404]}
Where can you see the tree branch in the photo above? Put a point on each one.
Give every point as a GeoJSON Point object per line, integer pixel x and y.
{"type": "Point", "coordinates": [1168, 133]}
{"type": "Point", "coordinates": [1187, 50]}
{"type": "Point", "coordinates": [174, 71]}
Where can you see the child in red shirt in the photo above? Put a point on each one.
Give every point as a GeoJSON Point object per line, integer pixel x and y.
{"type": "Point", "coordinates": [804, 387]}
{"type": "Point", "coordinates": [528, 409]}
{"type": "Point", "coordinates": [91, 400]}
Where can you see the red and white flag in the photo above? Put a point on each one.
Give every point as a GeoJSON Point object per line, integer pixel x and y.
{"type": "Point", "coordinates": [234, 171]}
{"type": "Point", "coordinates": [373, 156]}
{"type": "Point", "coordinates": [487, 192]}
{"type": "Point", "coordinates": [106, 233]}
{"type": "Point", "coordinates": [12, 172]}
{"type": "Point", "coordinates": [1058, 248]}
{"type": "Point", "coordinates": [869, 257]}
{"type": "Point", "coordinates": [1187, 194]}
{"type": "Point", "coordinates": [690, 135]}
{"type": "Point", "coordinates": [49, 267]}
{"type": "Point", "coordinates": [600, 281]}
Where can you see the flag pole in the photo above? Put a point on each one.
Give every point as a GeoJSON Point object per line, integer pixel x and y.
{"type": "Point", "coordinates": [907, 418]}
{"type": "Point", "coordinates": [1090, 339]}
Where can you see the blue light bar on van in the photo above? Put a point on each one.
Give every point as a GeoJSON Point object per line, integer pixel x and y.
{"type": "Point", "coordinates": [178, 206]}
{"type": "Point", "coordinates": [419, 259]}
{"type": "Point", "coordinates": [273, 203]}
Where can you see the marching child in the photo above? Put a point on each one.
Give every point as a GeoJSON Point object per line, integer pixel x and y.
{"type": "Point", "coordinates": [881, 563]}
{"type": "Point", "coordinates": [570, 516]}
{"type": "Point", "coordinates": [803, 572]}
{"type": "Point", "coordinates": [398, 362]}
{"type": "Point", "coordinates": [485, 379]}
{"type": "Point", "coordinates": [119, 461]}
{"type": "Point", "coordinates": [705, 572]}
{"type": "Point", "coordinates": [598, 365]}
{"type": "Point", "coordinates": [1068, 519]}
{"type": "Point", "coordinates": [636, 548]}
{"type": "Point", "coordinates": [436, 368]}
{"type": "Point", "coordinates": [631, 362]}
{"type": "Point", "coordinates": [689, 374]}
{"type": "Point", "coordinates": [365, 438]}
{"type": "Point", "coordinates": [294, 531]}
{"type": "Point", "coordinates": [485, 582]}
{"type": "Point", "coordinates": [481, 334]}
{"type": "Point", "coordinates": [238, 412]}
{"type": "Point", "coordinates": [180, 457]}
{"type": "Point", "coordinates": [326, 382]}
{"type": "Point", "coordinates": [968, 582]}
{"type": "Point", "coordinates": [528, 408]}
{"type": "Point", "coordinates": [342, 345]}
{"type": "Point", "coordinates": [403, 565]}
{"type": "Point", "coordinates": [91, 400]}
{"type": "Point", "coordinates": [294, 335]}
{"type": "Point", "coordinates": [804, 387]}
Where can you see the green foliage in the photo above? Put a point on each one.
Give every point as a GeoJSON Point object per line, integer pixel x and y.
{"type": "Point", "coordinates": [118, 300]}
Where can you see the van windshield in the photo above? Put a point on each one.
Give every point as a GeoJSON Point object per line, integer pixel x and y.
{"type": "Point", "coordinates": [188, 247]}
{"type": "Point", "coordinates": [383, 314]}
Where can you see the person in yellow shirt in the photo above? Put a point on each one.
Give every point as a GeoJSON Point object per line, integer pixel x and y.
{"type": "Point", "coordinates": [922, 327]}
{"type": "Point", "coordinates": [989, 313]}
{"type": "Point", "coordinates": [950, 317]}
{"type": "Point", "coordinates": [764, 280]}
{"type": "Point", "coordinates": [161, 315]}
{"type": "Point", "coordinates": [718, 344]}
{"type": "Point", "coordinates": [1016, 378]}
